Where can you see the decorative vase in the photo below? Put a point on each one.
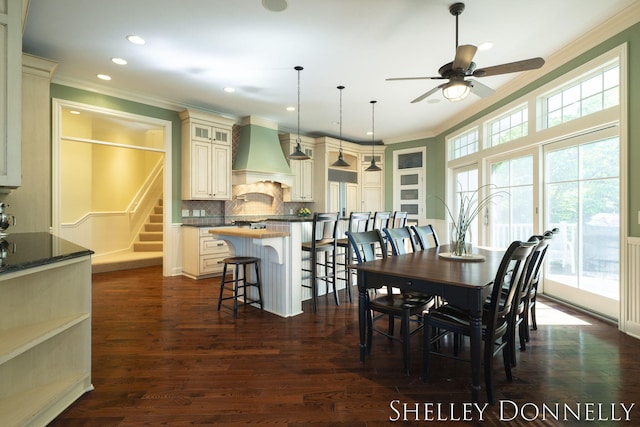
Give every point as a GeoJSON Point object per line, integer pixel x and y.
{"type": "Point", "coordinates": [460, 241]}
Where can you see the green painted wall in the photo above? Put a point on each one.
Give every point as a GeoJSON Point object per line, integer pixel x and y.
{"type": "Point", "coordinates": [436, 146]}
{"type": "Point", "coordinates": [92, 98]}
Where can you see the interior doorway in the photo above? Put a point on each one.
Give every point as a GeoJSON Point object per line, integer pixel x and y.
{"type": "Point", "coordinates": [110, 191]}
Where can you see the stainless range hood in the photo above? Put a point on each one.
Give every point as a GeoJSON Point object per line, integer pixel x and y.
{"type": "Point", "coordinates": [259, 156]}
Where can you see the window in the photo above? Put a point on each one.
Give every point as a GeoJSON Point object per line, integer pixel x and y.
{"type": "Point", "coordinates": [592, 93]}
{"type": "Point", "coordinates": [510, 126]}
{"type": "Point", "coordinates": [463, 145]}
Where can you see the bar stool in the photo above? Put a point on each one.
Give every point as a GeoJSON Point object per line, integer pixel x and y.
{"type": "Point", "coordinates": [358, 221]}
{"type": "Point", "coordinates": [240, 282]}
{"type": "Point", "coordinates": [323, 241]}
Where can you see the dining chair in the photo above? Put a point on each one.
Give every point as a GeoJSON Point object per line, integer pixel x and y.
{"type": "Point", "coordinates": [495, 319]}
{"type": "Point", "coordinates": [358, 221]}
{"type": "Point", "coordinates": [425, 236]}
{"type": "Point", "coordinates": [381, 219]}
{"type": "Point", "coordinates": [531, 303]}
{"type": "Point", "coordinates": [400, 239]}
{"type": "Point", "coordinates": [323, 241]}
{"type": "Point", "coordinates": [518, 322]}
{"type": "Point", "coordinates": [399, 219]}
{"type": "Point", "coordinates": [365, 246]}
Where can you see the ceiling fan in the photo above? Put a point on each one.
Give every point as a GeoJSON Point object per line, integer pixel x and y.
{"type": "Point", "coordinates": [458, 87]}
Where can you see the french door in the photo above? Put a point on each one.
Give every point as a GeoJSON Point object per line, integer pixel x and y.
{"type": "Point", "coordinates": [582, 200]}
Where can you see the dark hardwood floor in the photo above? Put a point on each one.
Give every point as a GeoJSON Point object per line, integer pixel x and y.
{"type": "Point", "coordinates": [164, 356]}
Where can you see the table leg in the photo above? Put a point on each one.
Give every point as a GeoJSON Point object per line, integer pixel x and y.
{"type": "Point", "coordinates": [476, 354]}
{"type": "Point", "coordinates": [362, 314]}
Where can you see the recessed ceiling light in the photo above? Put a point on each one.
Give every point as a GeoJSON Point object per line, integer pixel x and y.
{"type": "Point", "coordinates": [104, 77]}
{"type": "Point", "coordinates": [135, 39]}
{"type": "Point", "coordinates": [485, 46]}
{"type": "Point", "coordinates": [119, 61]}
{"type": "Point", "coordinates": [275, 5]}
{"type": "Point", "coordinates": [291, 108]}
{"type": "Point", "coordinates": [229, 89]}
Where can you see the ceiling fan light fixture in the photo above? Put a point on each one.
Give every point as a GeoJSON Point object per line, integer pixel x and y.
{"type": "Point", "coordinates": [456, 90]}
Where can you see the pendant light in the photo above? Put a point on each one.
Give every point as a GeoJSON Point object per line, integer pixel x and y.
{"type": "Point", "coordinates": [373, 167]}
{"type": "Point", "coordinates": [341, 163]}
{"type": "Point", "coordinates": [298, 154]}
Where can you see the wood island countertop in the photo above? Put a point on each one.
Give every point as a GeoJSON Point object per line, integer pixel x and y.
{"type": "Point", "coordinates": [248, 232]}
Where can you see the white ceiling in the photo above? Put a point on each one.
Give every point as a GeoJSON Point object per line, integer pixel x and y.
{"type": "Point", "coordinates": [195, 48]}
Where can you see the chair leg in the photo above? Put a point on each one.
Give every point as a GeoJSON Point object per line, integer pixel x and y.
{"type": "Point", "coordinates": [235, 292]}
{"type": "Point", "coordinates": [406, 347]}
{"type": "Point", "coordinates": [522, 331]}
{"type": "Point", "coordinates": [332, 277]}
{"type": "Point", "coordinates": [488, 368]}
{"type": "Point", "coordinates": [347, 272]}
{"type": "Point", "coordinates": [314, 281]}
{"type": "Point", "coordinates": [259, 284]}
{"type": "Point", "coordinates": [534, 324]}
{"type": "Point", "coordinates": [426, 352]}
{"type": "Point", "coordinates": [369, 326]}
{"type": "Point", "coordinates": [392, 321]}
{"type": "Point", "coordinates": [224, 274]}
{"type": "Point", "coordinates": [511, 340]}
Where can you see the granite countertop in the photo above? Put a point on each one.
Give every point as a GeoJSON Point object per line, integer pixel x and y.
{"type": "Point", "coordinates": [248, 232]}
{"type": "Point", "coordinates": [221, 222]}
{"type": "Point", "coordinates": [20, 251]}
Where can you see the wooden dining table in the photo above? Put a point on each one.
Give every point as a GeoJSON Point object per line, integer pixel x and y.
{"type": "Point", "coordinates": [464, 282]}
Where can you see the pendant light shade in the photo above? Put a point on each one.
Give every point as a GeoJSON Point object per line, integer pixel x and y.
{"type": "Point", "coordinates": [298, 154]}
{"type": "Point", "coordinates": [341, 163]}
{"type": "Point", "coordinates": [373, 167]}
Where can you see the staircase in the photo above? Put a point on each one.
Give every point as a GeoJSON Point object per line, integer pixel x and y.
{"type": "Point", "coordinates": [147, 251]}
{"type": "Point", "coordinates": [150, 238]}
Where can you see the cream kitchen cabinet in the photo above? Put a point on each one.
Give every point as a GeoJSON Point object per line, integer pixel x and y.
{"type": "Point", "coordinates": [11, 94]}
{"type": "Point", "coordinates": [302, 170]}
{"type": "Point", "coordinates": [206, 156]}
{"type": "Point", "coordinates": [45, 327]}
{"type": "Point", "coordinates": [202, 253]}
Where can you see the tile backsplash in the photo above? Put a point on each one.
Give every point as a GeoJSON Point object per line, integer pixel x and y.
{"type": "Point", "coordinates": [258, 200]}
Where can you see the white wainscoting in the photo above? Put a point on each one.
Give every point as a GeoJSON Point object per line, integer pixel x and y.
{"type": "Point", "coordinates": [630, 295]}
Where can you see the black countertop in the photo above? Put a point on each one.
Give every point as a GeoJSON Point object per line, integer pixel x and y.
{"type": "Point", "coordinates": [20, 251]}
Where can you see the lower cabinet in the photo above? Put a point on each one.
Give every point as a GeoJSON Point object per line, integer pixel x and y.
{"type": "Point", "coordinates": [202, 253]}
{"type": "Point", "coordinates": [45, 340]}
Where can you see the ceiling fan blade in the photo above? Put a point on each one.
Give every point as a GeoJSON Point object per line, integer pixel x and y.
{"type": "Point", "coordinates": [424, 95]}
{"type": "Point", "coordinates": [414, 78]}
{"type": "Point", "coordinates": [511, 67]}
{"type": "Point", "coordinates": [480, 89]}
{"type": "Point", "coordinates": [464, 56]}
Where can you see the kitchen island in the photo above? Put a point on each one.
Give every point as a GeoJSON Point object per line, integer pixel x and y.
{"type": "Point", "coordinates": [45, 327]}
{"type": "Point", "coordinates": [279, 249]}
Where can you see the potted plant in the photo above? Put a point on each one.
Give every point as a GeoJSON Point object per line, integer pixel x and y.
{"type": "Point", "coordinates": [469, 206]}
{"type": "Point", "coordinates": [303, 212]}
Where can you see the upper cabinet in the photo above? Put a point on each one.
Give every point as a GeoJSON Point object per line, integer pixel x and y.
{"type": "Point", "coordinates": [10, 93]}
{"type": "Point", "coordinates": [206, 156]}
